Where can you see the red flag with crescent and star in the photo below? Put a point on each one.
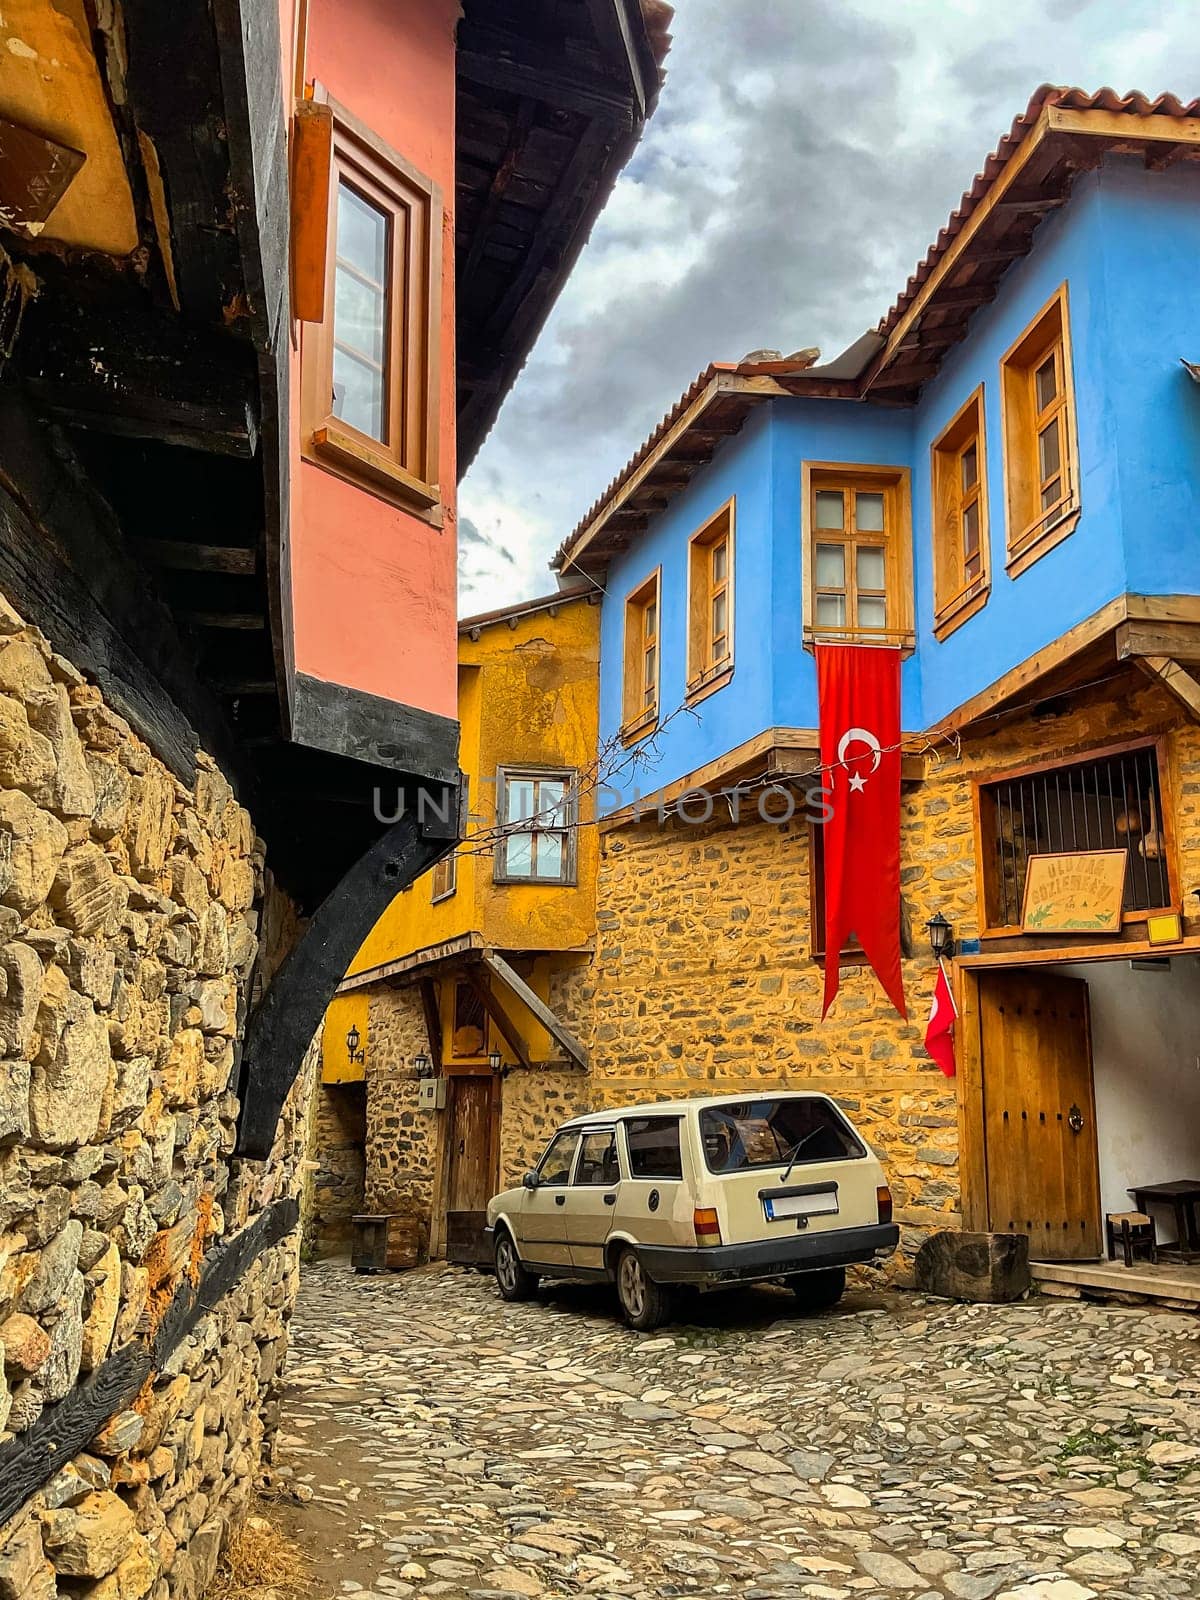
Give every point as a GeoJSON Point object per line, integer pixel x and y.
{"type": "Point", "coordinates": [858, 688]}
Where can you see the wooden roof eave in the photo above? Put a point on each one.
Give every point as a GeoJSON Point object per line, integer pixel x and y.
{"type": "Point", "coordinates": [633, 497]}
{"type": "Point", "coordinates": [1060, 136]}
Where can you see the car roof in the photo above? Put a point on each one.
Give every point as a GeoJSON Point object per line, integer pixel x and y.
{"type": "Point", "coordinates": [667, 1108]}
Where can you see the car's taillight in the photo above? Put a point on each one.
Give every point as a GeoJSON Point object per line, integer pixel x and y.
{"type": "Point", "coordinates": [707, 1225]}
{"type": "Point", "coordinates": [883, 1199]}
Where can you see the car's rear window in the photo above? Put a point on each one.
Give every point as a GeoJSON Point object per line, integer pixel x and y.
{"type": "Point", "coordinates": [654, 1147]}
{"type": "Point", "coordinates": [743, 1134]}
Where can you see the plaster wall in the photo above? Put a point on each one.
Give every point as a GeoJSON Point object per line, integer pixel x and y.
{"type": "Point", "coordinates": [1146, 1066]}
{"type": "Point", "coordinates": [373, 587]}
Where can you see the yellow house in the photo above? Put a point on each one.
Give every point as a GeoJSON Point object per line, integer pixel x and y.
{"type": "Point", "coordinates": [446, 1014]}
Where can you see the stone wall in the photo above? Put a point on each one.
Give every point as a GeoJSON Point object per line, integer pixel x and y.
{"type": "Point", "coordinates": [338, 1150]}
{"type": "Point", "coordinates": [401, 1144]}
{"type": "Point", "coordinates": [129, 933]}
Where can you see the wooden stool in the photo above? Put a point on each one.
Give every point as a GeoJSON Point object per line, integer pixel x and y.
{"type": "Point", "coordinates": [1137, 1235]}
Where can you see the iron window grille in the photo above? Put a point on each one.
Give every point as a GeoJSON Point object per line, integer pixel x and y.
{"type": "Point", "coordinates": [1113, 801]}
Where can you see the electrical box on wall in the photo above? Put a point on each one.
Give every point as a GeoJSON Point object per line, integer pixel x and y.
{"type": "Point", "coordinates": [431, 1094]}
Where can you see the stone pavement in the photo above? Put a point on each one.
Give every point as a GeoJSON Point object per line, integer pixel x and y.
{"type": "Point", "coordinates": [456, 1446]}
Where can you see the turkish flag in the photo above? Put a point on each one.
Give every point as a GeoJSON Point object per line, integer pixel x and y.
{"type": "Point", "coordinates": [939, 1035]}
{"type": "Point", "coordinates": [858, 688]}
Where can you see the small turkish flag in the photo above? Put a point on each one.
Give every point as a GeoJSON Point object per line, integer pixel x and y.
{"type": "Point", "coordinates": [858, 695]}
{"type": "Point", "coordinates": [939, 1035]}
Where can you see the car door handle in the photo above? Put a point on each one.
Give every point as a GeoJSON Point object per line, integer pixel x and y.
{"type": "Point", "coordinates": [560, 1199]}
{"type": "Point", "coordinates": [610, 1199]}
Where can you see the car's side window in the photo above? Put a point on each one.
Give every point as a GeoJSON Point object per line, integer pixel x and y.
{"type": "Point", "coordinates": [653, 1144]}
{"type": "Point", "coordinates": [555, 1165]}
{"type": "Point", "coordinates": [598, 1159]}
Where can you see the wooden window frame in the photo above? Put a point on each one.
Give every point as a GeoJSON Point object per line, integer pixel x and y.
{"type": "Point", "coordinates": [706, 671]}
{"type": "Point", "coordinates": [444, 879]}
{"type": "Point", "coordinates": [981, 798]}
{"type": "Point", "coordinates": [403, 468]}
{"type": "Point", "coordinates": [568, 776]}
{"type": "Point", "coordinates": [637, 718]}
{"type": "Point", "coordinates": [1030, 532]}
{"type": "Point", "coordinates": [955, 597]}
{"type": "Point", "coordinates": [896, 486]}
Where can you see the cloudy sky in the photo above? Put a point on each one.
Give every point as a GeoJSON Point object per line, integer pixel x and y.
{"type": "Point", "coordinates": [803, 156]}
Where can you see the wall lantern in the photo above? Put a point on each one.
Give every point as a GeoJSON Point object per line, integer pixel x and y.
{"type": "Point", "coordinates": [422, 1065]}
{"type": "Point", "coordinates": [941, 936]}
{"type": "Point", "coordinates": [494, 1060]}
{"type": "Point", "coordinates": [353, 1041]}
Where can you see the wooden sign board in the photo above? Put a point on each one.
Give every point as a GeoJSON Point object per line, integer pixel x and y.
{"type": "Point", "coordinates": [1080, 892]}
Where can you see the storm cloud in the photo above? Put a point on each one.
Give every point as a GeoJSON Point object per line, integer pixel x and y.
{"type": "Point", "coordinates": [802, 159]}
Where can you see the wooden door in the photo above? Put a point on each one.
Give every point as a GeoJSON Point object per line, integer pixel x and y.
{"type": "Point", "coordinates": [470, 1178]}
{"type": "Point", "coordinates": [1039, 1112]}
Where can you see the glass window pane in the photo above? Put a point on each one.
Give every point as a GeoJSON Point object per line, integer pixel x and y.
{"type": "Point", "coordinates": [720, 611]}
{"type": "Point", "coordinates": [972, 568]}
{"type": "Point", "coordinates": [358, 315]}
{"type": "Point", "coordinates": [555, 1166]}
{"type": "Point", "coordinates": [518, 855]}
{"type": "Point", "coordinates": [654, 1147]}
{"type": "Point", "coordinates": [870, 569]}
{"type": "Point", "coordinates": [650, 622]}
{"type": "Point", "coordinates": [362, 234]}
{"type": "Point", "coordinates": [550, 855]}
{"type": "Point", "coordinates": [868, 513]}
{"type": "Point", "coordinates": [872, 611]}
{"type": "Point", "coordinates": [551, 802]}
{"type": "Point", "coordinates": [1052, 493]}
{"type": "Point", "coordinates": [357, 393]}
{"type": "Point", "coordinates": [650, 662]}
{"type": "Point", "coordinates": [831, 611]}
{"type": "Point", "coordinates": [1048, 451]}
{"type": "Point", "coordinates": [829, 508]}
{"type": "Point", "coordinates": [831, 566]}
{"type": "Point", "coordinates": [970, 523]}
{"type": "Point", "coordinates": [970, 466]}
{"type": "Point", "coordinates": [1046, 381]}
{"type": "Point", "coordinates": [598, 1160]}
{"type": "Point", "coordinates": [518, 799]}
{"type": "Point", "coordinates": [720, 560]}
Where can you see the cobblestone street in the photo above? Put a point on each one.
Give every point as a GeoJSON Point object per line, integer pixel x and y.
{"type": "Point", "coordinates": [445, 1444]}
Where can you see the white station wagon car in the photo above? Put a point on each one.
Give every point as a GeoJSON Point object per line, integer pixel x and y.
{"type": "Point", "coordinates": [712, 1193]}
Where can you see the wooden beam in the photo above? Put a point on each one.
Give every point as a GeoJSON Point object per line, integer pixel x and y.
{"type": "Point", "coordinates": [518, 64]}
{"type": "Point", "coordinates": [1179, 640]}
{"type": "Point", "coordinates": [508, 1029]}
{"type": "Point", "coordinates": [1176, 679]}
{"type": "Point", "coordinates": [138, 373]}
{"type": "Point", "coordinates": [1035, 667]}
{"type": "Point", "coordinates": [242, 621]}
{"type": "Point", "coordinates": [501, 178]}
{"type": "Point", "coordinates": [1124, 125]}
{"type": "Point", "coordinates": [282, 1027]}
{"type": "Point", "coordinates": [405, 967]}
{"type": "Point", "coordinates": [433, 1021]}
{"type": "Point", "coordinates": [532, 1002]}
{"type": "Point", "coordinates": [181, 556]}
{"type": "Point", "coordinates": [967, 294]}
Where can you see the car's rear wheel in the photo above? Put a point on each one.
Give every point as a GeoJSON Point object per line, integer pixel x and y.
{"type": "Point", "coordinates": [645, 1305]}
{"type": "Point", "coordinates": [816, 1291]}
{"type": "Point", "coordinates": [513, 1278]}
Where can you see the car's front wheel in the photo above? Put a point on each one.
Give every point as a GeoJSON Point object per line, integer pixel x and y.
{"type": "Point", "coordinates": [645, 1305]}
{"type": "Point", "coordinates": [817, 1291]}
{"type": "Point", "coordinates": [513, 1278]}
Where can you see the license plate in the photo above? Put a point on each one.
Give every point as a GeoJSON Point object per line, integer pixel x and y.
{"type": "Point", "coordinates": [799, 1205]}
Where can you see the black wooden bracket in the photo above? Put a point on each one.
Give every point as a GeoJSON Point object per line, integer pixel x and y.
{"type": "Point", "coordinates": [66, 1428]}
{"type": "Point", "coordinates": [281, 1029]}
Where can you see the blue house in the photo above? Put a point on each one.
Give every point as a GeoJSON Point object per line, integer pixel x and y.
{"type": "Point", "coordinates": [1001, 482]}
